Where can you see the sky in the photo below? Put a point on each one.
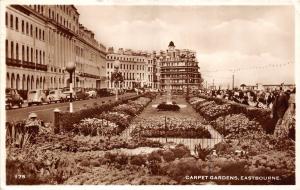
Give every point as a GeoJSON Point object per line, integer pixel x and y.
{"type": "Point", "coordinates": [256, 41]}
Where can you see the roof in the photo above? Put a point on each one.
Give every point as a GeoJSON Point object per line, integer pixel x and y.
{"type": "Point", "coordinates": [171, 44]}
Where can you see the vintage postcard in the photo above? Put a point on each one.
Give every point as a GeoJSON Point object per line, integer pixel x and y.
{"type": "Point", "coordinates": [149, 93]}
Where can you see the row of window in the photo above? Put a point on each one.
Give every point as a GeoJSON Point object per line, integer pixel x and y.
{"type": "Point", "coordinates": [125, 58]}
{"type": "Point", "coordinates": [58, 18]}
{"type": "Point", "coordinates": [14, 50]}
{"type": "Point", "coordinates": [26, 28]}
{"type": "Point", "coordinates": [126, 66]}
{"type": "Point", "coordinates": [129, 76]}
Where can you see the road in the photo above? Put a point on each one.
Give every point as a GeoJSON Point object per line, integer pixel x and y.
{"type": "Point", "coordinates": [45, 112]}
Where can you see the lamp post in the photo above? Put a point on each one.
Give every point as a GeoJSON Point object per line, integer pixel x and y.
{"type": "Point", "coordinates": [116, 77]}
{"type": "Point", "coordinates": [71, 68]}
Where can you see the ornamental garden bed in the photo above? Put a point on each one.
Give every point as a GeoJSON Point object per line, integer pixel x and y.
{"type": "Point", "coordinates": [170, 127]}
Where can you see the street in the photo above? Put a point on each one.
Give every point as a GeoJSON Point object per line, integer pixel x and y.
{"type": "Point", "coordinates": [45, 112]}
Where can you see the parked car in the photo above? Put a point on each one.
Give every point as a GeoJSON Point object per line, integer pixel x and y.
{"type": "Point", "coordinates": [66, 91]}
{"type": "Point", "coordinates": [12, 98]}
{"type": "Point", "coordinates": [81, 94]}
{"type": "Point", "coordinates": [37, 96]}
{"type": "Point", "coordinates": [104, 92]}
{"type": "Point", "coordinates": [92, 94]}
{"type": "Point", "coordinates": [56, 96]}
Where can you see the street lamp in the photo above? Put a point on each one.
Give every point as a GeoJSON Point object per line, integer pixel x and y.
{"type": "Point", "coordinates": [71, 68]}
{"type": "Point", "coordinates": [116, 77]}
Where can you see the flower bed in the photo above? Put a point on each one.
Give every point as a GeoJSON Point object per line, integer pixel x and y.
{"type": "Point", "coordinates": [121, 119]}
{"type": "Point", "coordinates": [94, 126]}
{"type": "Point", "coordinates": [235, 125]}
{"type": "Point", "coordinates": [133, 108]}
{"type": "Point", "coordinates": [171, 128]}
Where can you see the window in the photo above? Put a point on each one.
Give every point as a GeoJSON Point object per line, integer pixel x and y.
{"type": "Point", "coordinates": [43, 57]}
{"type": "Point", "coordinates": [22, 26]}
{"type": "Point", "coordinates": [23, 53]}
{"type": "Point", "coordinates": [36, 32]}
{"type": "Point", "coordinates": [11, 21]}
{"type": "Point", "coordinates": [27, 29]}
{"type": "Point", "coordinates": [17, 51]}
{"type": "Point", "coordinates": [43, 35]}
{"type": "Point", "coordinates": [31, 55]}
{"type": "Point", "coordinates": [27, 53]}
{"type": "Point", "coordinates": [6, 19]}
{"type": "Point", "coordinates": [11, 50]}
{"type": "Point", "coordinates": [36, 56]}
{"type": "Point", "coordinates": [40, 34]}
{"type": "Point", "coordinates": [31, 30]}
{"type": "Point", "coordinates": [6, 48]}
{"type": "Point", "coordinates": [40, 57]}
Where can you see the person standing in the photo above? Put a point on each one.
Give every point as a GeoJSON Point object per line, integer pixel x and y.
{"type": "Point", "coordinates": [279, 108]}
{"type": "Point", "coordinates": [287, 126]}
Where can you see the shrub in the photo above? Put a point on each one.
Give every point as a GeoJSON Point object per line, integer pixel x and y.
{"type": "Point", "coordinates": [95, 163]}
{"type": "Point", "coordinates": [180, 151]}
{"type": "Point", "coordinates": [178, 169]}
{"type": "Point", "coordinates": [110, 156]}
{"type": "Point", "coordinates": [85, 163]}
{"type": "Point", "coordinates": [154, 157]}
{"type": "Point", "coordinates": [168, 107]}
{"type": "Point", "coordinates": [137, 160]}
{"type": "Point", "coordinates": [122, 159]}
{"type": "Point", "coordinates": [202, 153]}
{"type": "Point", "coordinates": [154, 168]}
{"type": "Point", "coordinates": [168, 156]}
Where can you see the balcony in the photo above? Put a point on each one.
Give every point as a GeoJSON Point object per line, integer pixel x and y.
{"type": "Point", "coordinates": [29, 65]}
{"type": "Point", "coordinates": [13, 62]}
{"type": "Point", "coordinates": [41, 67]}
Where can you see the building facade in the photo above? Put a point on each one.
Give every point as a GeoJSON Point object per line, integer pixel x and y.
{"type": "Point", "coordinates": [41, 40]}
{"type": "Point", "coordinates": [132, 64]}
{"type": "Point", "coordinates": [174, 68]}
{"type": "Point", "coordinates": [177, 69]}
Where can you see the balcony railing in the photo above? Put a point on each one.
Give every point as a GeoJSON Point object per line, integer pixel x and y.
{"type": "Point", "coordinates": [41, 67]}
{"type": "Point", "coordinates": [28, 64]}
{"type": "Point", "coordinates": [13, 62]}
{"type": "Point", "coordinates": [25, 64]}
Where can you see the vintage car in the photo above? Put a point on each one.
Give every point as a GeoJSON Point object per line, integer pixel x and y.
{"type": "Point", "coordinates": [12, 98]}
{"type": "Point", "coordinates": [37, 96]}
{"type": "Point", "coordinates": [92, 94]}
{"type": "Point", "coordinates": [56, 96]}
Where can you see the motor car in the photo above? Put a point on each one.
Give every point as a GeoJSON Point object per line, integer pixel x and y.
{"type": "Point", "coordinates": [81, 94]}
{"type": "Point", "coordinates": [92, 94]}
{"type": "Point", "coordinates": [104, 92]}
{"type": "Point", "coordinates": [56, 96]}
{"type": "Point", "coordinates": [66, 91]}
{"type": "Point", "coordinates": [12, 98]}
{"type": "Point", "coordinates": [37, 96]}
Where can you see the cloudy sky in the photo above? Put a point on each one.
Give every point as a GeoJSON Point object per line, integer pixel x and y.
{"type": "Point", "coordinates": [257, 41]}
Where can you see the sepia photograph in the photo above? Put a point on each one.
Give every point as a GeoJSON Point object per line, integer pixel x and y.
{"type": "Point", "coordinates": [148, 94]}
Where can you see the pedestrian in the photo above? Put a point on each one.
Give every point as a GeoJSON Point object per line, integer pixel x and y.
{"type": "Point", "coordinates": [280, 106]}
{"type": "Point", "coordinates": [287, 126]}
